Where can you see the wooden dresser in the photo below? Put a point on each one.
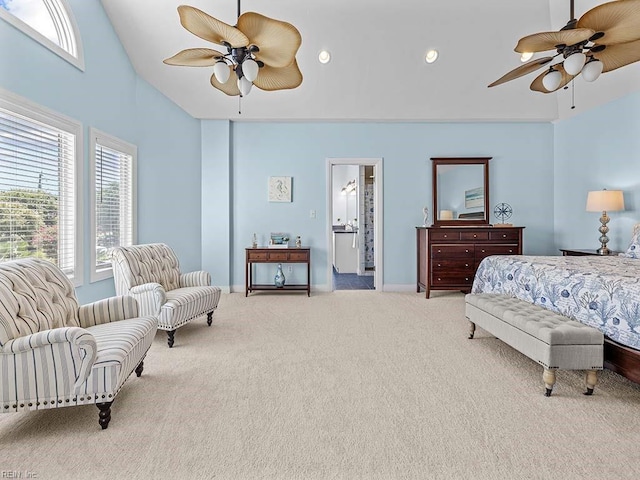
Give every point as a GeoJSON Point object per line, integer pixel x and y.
{"type": "Point", "coordinates": [448, 257]}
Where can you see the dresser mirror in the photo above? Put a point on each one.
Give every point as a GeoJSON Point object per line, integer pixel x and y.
{"type": "Point", "coordinates": [460, 191]}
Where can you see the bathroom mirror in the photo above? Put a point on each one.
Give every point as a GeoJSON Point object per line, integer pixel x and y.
{"type": "Point", "coordinates": [460, 191]}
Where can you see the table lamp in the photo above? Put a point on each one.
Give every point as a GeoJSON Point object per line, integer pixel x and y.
{"type": "Point", "coordinates": [603, 201]}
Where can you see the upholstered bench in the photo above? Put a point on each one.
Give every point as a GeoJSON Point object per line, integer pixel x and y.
{"type": "Point", "coordinates": [549, 338]}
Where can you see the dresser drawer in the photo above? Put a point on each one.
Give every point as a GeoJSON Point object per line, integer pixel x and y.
{"type": "Point", "coordinates": [504, 235]}
{"type": "Point", "coordinates": [455, 279]}
{"type": "Point", "coordinates": [486, 250]}
{"type": "Point", "coordinates": [452, 251]}
{"type": "Point", "coordinates": [449, 235]}
{"type": "Point", "coordinates": [478, 236]}
{"type": "Point", "coordinates": [256, 256]}
{"type": "Point", "coordinates": [462, 266]}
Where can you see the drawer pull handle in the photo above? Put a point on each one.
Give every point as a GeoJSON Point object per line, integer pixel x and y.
{"type": "Point", "coordinates": [438, 278]}
{"type": "Point", "coordinates": [504, 235]}
{"type": "Point", "coordinates": [483, 251]}
{"type": "Point", "coordinates": [439, 265]}
{"type": "Point", "coordinates": [466, 264]}
{"type": "Point", "coordinates": [466, 251]}
{"type": "Point", "coordinates": [510, 251]}
{"type": "Point", "coordinates": [475, 236]}
{"type": "Point", "coordinates": [445, 236]}
{"type": "Point", "coordinates": [439, 251]}
{"type": "Point", "coordinates": [466, 279]}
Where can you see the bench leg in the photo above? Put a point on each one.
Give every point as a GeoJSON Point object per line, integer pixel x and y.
{"type": "Point", "coordinates": [549, 379]}
{"type": "Point", "coordinates": [591, 379]}
{"type": "Point", "coordinates": [472, 329]}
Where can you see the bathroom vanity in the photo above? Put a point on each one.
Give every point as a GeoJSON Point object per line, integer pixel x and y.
{"type": "Point", "coordinates": [345, 251]}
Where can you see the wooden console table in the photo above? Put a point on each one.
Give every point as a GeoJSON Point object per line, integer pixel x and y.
{"type": "Point", "coordinates": [276, 255]}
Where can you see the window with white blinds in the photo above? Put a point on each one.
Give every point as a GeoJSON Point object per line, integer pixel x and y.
{"type": "Point", "coordinates": [39, 201]}
{"type": "Point", "coordinates": [113, 199]}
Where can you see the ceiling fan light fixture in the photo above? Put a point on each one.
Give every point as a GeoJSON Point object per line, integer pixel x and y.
{"type": "Point", "coordinates": [573, 63]}
{"type": "Point", "coordinates": [592, 70]}
{"type": "Point", "coordinates": [324, 56]}
{"type": "Point", "coordinates": [244, 86]}
{"type": "Point", "coordinates": [526, 56]}
{"type": "Point", "coordinates": [551, 81]}
{"type": "Point", "coordinates": [431, 56]}
{"type": "Point", "coordinates": [221, 71]}
{"type": "Point", "coordinates": [250, 69]}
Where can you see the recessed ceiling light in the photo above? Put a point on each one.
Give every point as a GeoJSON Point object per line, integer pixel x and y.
{"type": "Point", "coordinates": [431, 56]}
{"type": "Point", "coordinates": [526, 56]}
{"type": "Point", "coordinates": [324, 56]}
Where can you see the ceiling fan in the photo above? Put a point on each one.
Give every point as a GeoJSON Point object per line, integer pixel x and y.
{"type": "Point", "coordinates": [260, 51]}
{"type": "Point", "coordinates": [605, 38]}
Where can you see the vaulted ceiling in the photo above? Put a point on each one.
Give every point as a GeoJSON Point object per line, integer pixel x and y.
{"type": "Point", "coordinates": [377, 70]}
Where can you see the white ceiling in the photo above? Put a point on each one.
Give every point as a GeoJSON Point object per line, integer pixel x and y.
{"type": "Point", "coordinates": [377, 71]}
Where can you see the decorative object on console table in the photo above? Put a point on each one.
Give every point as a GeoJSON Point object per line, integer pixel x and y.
{"type": "Point", "coordinates": [279, 240]}
{"type": "Point", "coordinates": [254, 241]}
{"type": "Point", "coordinates": [603, 201]}
{"type": "Point", "coordinates": [298, 242]}
{"type": "Point", "coordinates": [425, 214]}
{"type": "Point", "coordinates": [448, 257]}
{"type": "Point", "coordinates": [279, 279]}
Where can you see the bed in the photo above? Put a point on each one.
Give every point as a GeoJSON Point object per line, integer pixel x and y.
{"type": "Point", "coordinates": [600, 291]}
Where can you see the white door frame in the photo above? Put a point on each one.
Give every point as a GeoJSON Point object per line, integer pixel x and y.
{"type": "Point", "coordinates": [376, 163]}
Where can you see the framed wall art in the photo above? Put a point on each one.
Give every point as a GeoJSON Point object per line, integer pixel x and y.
{"type": "Point", "coordinates": [279, 189]}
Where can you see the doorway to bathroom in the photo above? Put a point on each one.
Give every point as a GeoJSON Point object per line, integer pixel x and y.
{"type": "Point", "coordinates": [354, 223]}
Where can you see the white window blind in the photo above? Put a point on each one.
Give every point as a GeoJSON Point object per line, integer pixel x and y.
{"type": "Point", "coordinates": [114, 200]}
{"type": "Point", "coordinates": [37, 191]}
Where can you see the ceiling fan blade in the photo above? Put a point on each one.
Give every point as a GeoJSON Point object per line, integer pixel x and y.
{"type": "Point", "coordinates": [209, 28]}
{"type": "Point", "coordinates": [278, 41]}
{"type": "Point", "coordinates": [619, 20]}
{"type": "Point", "coordinates": [271, 78]}
{"type": "Point", "coordinates": [523, 69]}
{"type": "Point", "coordinates": [537, 85]}
{"type": "Point", "coordinates": [230, 87]}
{"type": "Point", "coordinates": [619, 55]}
{"type": "Point", "coordinates": [540, 42]}
{"type": "Point", "coordinates": [195, 57]}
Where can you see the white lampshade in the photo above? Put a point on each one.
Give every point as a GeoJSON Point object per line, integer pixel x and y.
{"type": "Point", "coordinates": [605, 200]}
{"type": "Point", "coordinates": [551, 81]}
{"type": "Point", "coordinates": [446, 215]}
{"type": "Point", "coordinates": [250, 69]}
{"type": "Point", "coordinates": [574, 63]}
{"type": "Point", "coordinates": [592, 70]}
{"type": "Point", "coordinates": [221, 71]}
{"type": "Point", "coordinates": [244, 86]}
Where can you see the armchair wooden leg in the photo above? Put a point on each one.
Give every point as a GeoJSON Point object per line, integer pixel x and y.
{"type": "Point", "coordinates": [104, 417]}
{"type": "Point", "coordinates": [139, 368]}
{"type": "Point", "coordinates": [170, 334]}
{"type": "Point", "coordinates": [209, 318]}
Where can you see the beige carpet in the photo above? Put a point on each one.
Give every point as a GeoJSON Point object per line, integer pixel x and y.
{"type": "Point", "coordinates": [344, 385]}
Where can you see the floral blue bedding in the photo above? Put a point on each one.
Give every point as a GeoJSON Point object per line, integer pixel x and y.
{"type": "Point", "coordinates": [603, 292]}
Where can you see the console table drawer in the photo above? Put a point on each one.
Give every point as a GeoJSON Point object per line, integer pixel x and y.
{"type": "Point", "coordinates": [452, 251]}
{"type": "Point", "coordinates": [278, 256]}
{"type": "Point", "coordinates": [255, 256]}
{"type": "Point", "coordinates": [299, 256]}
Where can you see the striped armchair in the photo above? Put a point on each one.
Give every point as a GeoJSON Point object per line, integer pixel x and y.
{"type": "Point", "coordinates": [151, 274]}
{"type": "Point", "coordinates": [55, 353]}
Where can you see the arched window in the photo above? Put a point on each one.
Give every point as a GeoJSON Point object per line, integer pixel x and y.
{"type": "Point", "coordinates": [49, 22]}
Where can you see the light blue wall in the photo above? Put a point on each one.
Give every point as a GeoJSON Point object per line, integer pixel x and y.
{"type": "Point", "coordinates": [109, 96]}
{"type": "Point", "coordinates": [521, 174]}
{"type": "Point", "coordinates": [598, 149]}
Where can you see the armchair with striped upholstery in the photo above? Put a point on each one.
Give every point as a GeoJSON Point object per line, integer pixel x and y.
{"type": "Point", "coordinates": [151, 274]}
{"type": "Point", "coordinates": [55, 353]}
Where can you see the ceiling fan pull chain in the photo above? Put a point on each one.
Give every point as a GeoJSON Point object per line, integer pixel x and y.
{"type": "Point", "coordinates": [573, 95]}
